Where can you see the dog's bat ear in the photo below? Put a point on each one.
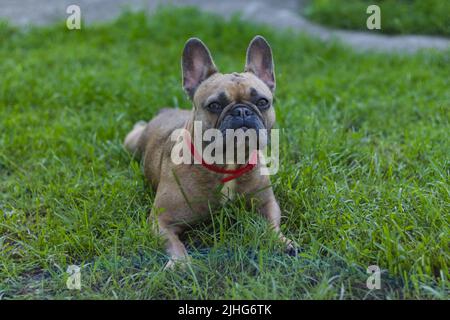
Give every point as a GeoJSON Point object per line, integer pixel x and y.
{"type": "Point", "coordinates": [196, 64]}
{"type": "Point", "coordinates": [260, 62]}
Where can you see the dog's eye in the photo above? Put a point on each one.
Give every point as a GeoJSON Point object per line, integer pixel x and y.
{"type": "Point", "coordinates": [262, 103]}
{"type": "Point", "coordinates": [214, 106]}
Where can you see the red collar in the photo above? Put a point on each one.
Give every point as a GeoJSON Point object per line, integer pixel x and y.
{"type": "Point", "coordinates": [233, 173]}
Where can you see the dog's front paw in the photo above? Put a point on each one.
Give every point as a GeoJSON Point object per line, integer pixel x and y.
{"type": "Point", "coordinates": [291, 248]}
{"type": "Point", "coordinates": [177, 263]}
{"type": "Point", "coordinates": [170, 265]}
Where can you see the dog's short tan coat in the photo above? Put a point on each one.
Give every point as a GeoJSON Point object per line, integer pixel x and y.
{"type": "Point", "coordinates": [185, 193]}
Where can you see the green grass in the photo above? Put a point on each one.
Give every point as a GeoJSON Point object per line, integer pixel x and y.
{"type": "Point", "coordinates": [363, 180]}
{"type": "Point", "coordinates": [397, 16]}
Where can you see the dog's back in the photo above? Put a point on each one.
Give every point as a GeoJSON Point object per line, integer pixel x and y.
{"type": "Point", "coordinates": [148, 141]}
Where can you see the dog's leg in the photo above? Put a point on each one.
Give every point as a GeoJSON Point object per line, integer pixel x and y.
{"type": "Point", "coordinates": [174, 247]}
{"type": "Point", "coordinates": [271, 211]}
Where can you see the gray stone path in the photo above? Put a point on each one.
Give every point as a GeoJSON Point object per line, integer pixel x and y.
{"type": "Point", "coordinates": [280, 14]}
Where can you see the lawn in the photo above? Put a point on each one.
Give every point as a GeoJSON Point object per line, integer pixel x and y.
{"type": "Point", "coordinates": [364, 177]}
{"type": "Point", "coordinates": [397, 16]}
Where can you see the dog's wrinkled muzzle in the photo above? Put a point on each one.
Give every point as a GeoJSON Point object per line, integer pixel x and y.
{"type": "Point", "coordinates": [240, 116]}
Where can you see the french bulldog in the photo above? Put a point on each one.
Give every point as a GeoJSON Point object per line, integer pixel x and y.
{"type": "Point", "coordinates": [186, 192]}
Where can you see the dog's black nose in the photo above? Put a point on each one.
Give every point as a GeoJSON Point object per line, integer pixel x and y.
{"type": "Point", "coordinates": [241, 111]}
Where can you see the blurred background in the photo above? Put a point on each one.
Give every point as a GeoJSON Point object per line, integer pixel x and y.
{"type": "Point", "coordinates": [324, 19]}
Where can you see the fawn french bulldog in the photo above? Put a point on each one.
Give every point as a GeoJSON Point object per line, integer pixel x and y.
{"type": "Point", "coordinates": [236, 101]}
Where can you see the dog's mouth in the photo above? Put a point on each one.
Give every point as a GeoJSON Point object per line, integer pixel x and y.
{"type": "Point", "coordinates": [242, 128]}
{"type": "Point", "coordinates": [241, 116]}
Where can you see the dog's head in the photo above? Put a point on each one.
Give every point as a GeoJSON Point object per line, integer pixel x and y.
{"type": "Point", "coordinates": [230, 100]}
